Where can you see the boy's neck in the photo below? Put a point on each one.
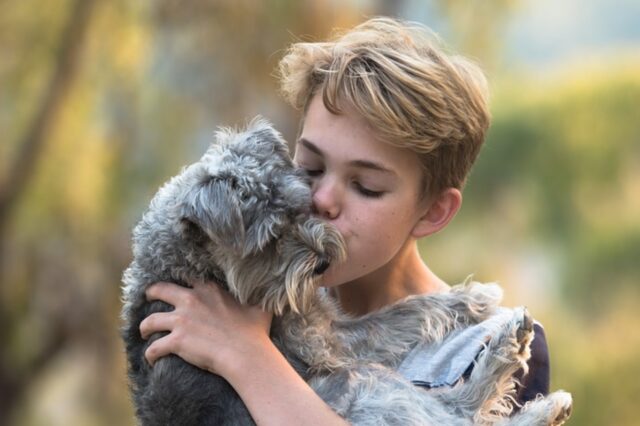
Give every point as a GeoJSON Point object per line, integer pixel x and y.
{"type": "Point", "coordinates": [406, 274]}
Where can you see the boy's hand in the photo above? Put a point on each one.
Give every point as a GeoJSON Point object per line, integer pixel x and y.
{"type": "Point", "coordinates": [208, 327]}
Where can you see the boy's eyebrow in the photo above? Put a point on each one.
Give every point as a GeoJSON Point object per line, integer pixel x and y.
{"type": "Point", "coordinates": [310, 146]}
{"type": "Point", "coordinates": [367, 164]}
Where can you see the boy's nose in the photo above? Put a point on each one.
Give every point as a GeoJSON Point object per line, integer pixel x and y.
{"type": "Point", "coordinates": [325, 199]}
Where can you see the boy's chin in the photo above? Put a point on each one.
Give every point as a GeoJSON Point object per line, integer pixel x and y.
{"type": "Point", "coordinates": [329, 279]}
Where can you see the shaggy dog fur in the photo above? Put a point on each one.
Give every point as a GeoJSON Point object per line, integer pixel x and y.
{"type": "Point", "coordinates": [241, 217]}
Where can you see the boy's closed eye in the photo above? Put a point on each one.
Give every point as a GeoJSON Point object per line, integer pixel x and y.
{"type": "Point", "coordinates": [313, 172]}
{"type": "Point", "coordinates": [367, 192]}
{"type": "Point", "coordinates": [361, 188]}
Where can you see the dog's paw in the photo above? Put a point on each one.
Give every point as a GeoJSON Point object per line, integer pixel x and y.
{"type": "Point", "coordinates": [551, 410]}
{"type": "Point", "coordinates": [563, 405]}
{"type": "Point", "coordinates": [524, 329]}
{"type": "Point", "coordinates": [512, 343]}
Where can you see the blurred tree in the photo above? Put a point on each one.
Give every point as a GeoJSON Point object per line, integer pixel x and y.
{"type": "Point", "coordinates": [570, 150]}
{"type": "Point", "coordinates": [29, 148]}
{"type": "Point", "coordinates": [145, 102]}
{"type": "Point", "coordinates": [552, 212]}
{"type": "Point", "coordinates": [476, 28]}
{"type": "Point", "coordinates": [560, 171]}
{"type": "Point", "coordinates": [15, 182]}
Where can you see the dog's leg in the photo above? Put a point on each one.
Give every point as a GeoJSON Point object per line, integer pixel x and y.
{"type": "Point", "coordinates": [387, 335]}
{"type": "Point", "coordinates": [180, 394]}
{"type": "Point", "coordinates": [375, 395]}
{"type": "Point", "coordinates": [173, 392]}
{"type": "Point", "coordinates": [488, 394]}
{"type": "Point", "coordinates": [551, 410]}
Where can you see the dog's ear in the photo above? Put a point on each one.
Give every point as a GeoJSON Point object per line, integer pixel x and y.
{"type": "Point", "coordinates": [262, 231]}
{"type": "Point", "coordinates": [213, 207]}
{"type": "Point", "coordinates": [289, 197]}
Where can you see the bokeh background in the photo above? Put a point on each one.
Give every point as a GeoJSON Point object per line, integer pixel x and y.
{"type": "Point", "coordinates": [102, 101]}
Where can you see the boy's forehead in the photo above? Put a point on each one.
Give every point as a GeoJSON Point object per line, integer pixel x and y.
{"type": "Point", "coordinates": [317, 109]}
{"type": "Point", "coordinates": [347, 128]}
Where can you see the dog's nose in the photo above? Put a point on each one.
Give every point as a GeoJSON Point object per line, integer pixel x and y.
{"type": "Point", "coordinates": [322, 266]}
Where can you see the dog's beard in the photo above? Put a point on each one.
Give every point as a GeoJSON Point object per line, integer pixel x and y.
{"type": "Point", "coordinates": [300, 286]}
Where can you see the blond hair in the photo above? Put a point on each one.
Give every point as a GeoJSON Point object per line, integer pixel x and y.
{"type": "Point", "coordinates": [406, 87]}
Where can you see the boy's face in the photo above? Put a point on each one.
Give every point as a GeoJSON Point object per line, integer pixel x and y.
{"type": "Point", "coordinates": [368, 189]}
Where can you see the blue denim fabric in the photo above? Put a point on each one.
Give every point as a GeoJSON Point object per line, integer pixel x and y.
{"type": "Point", "coordinates": [443, 364]}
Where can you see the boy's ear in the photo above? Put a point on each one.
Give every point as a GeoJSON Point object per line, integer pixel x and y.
{"type": "Point", "coordinates": [439, 212]}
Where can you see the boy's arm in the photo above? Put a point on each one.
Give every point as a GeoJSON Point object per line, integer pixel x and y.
{"type": "Point", "coordinates": [212, 331]}
{"type": "Point", "coordinates": [275, 394]}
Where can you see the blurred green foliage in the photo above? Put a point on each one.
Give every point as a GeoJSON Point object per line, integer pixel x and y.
{"type": "Point", "coordinates": [552, 208]}
{"type": "Point", "coordinates": [571, 147]}
{"type": "Point", "coordinates": [552, 212]}
{"type": "Point", "coordinates": [567, 152]}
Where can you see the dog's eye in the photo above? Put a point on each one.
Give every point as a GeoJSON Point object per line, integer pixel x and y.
{"type": "Point", "coordinates": [192, 231]}
{"type": "Point", "coordinates": [313, 173]}
{"type": "Point", "coordinates": [321, 267]}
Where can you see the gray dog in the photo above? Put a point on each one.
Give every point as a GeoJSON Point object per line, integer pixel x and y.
{"type": "Point", "coordinates": [241, 217]}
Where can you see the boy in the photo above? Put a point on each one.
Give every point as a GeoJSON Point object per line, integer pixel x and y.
{"type": "Point", "coordinates": [391, 128]}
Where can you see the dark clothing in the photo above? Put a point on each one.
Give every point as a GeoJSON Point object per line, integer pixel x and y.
{"type": "Point", "coordinates": [537, 381]}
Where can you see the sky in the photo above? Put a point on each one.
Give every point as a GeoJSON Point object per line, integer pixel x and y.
{"type": "Point", "coordinates": [544, 33]}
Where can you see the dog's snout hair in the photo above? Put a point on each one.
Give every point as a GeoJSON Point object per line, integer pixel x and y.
{"type": "Point", "coordinates": [325, 242]}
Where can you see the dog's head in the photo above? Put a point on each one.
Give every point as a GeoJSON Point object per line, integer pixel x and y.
{"type": "Point", "coordinates": [244, 210]}
{"type": "Point", "coordinates": [245, 189]}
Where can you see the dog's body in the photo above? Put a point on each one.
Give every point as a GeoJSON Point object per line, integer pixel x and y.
{"type": "Point", "coordinates": [241, 217]}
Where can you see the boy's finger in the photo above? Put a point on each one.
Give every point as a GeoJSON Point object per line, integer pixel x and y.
{"type": "Point", "coordinates": [158, 349]}
{"type": "Point", "coordinates": [164, 291]}
{"type": "Point", "coordinates": [159, 321]}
